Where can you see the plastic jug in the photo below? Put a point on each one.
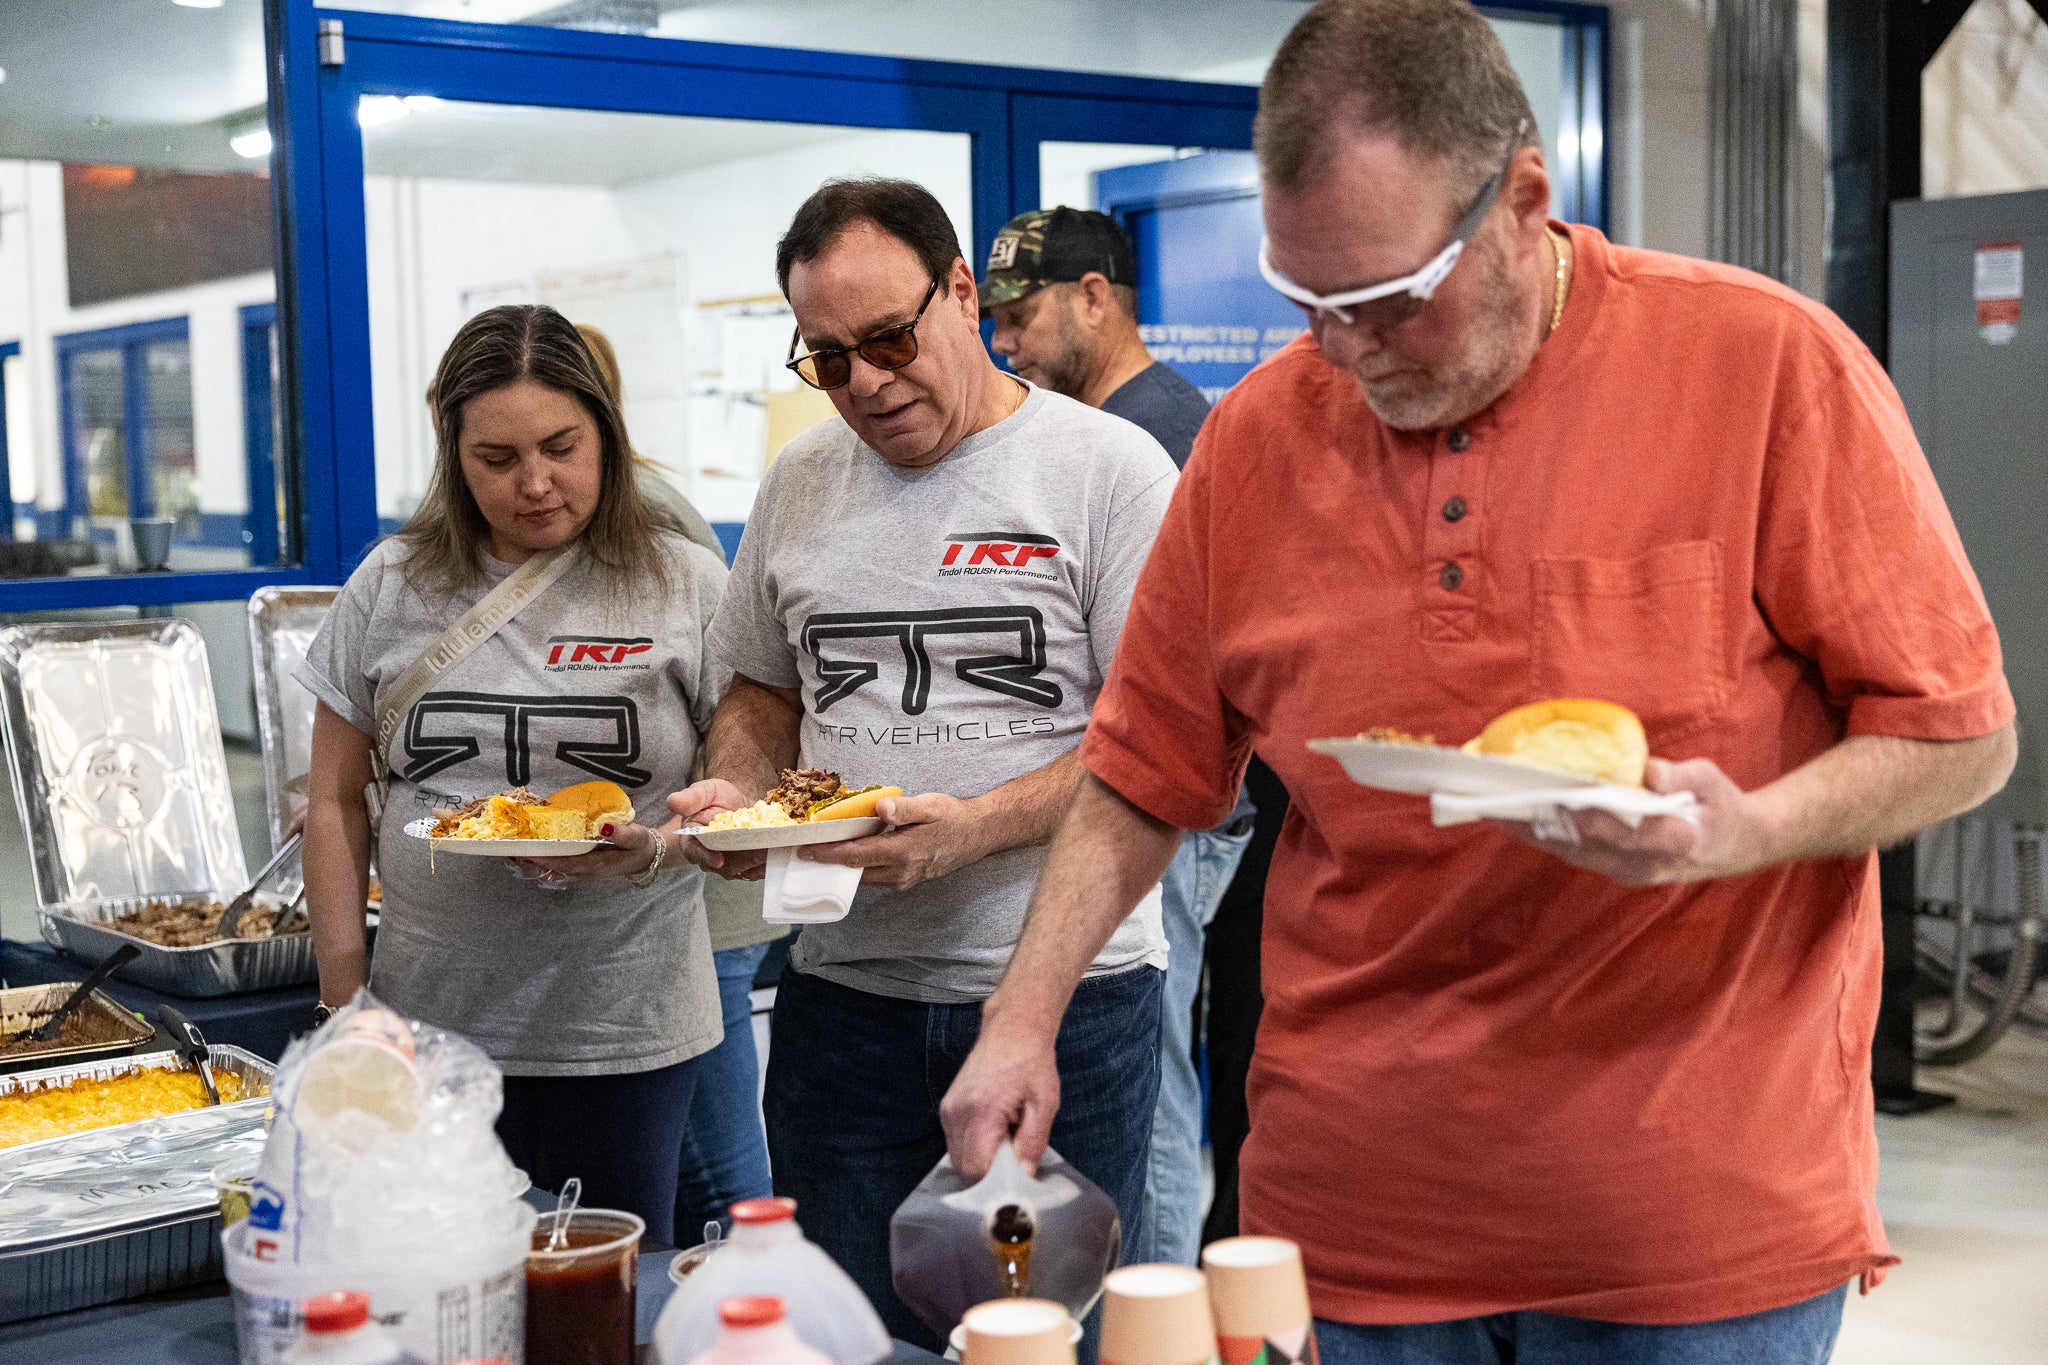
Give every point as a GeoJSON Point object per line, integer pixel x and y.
{"type": "Point", "coordinates": [1013, 1234]}
{"type": "Point", "coordinates": [756, 1331]}
{"type": "Point", "coordinates": [768, 1255]}
{"type": "Point", "coordinates": [339, 1332]}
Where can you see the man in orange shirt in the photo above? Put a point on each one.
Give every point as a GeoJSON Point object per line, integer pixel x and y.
{"type": "Point", "coordinates": [1589, 1098]}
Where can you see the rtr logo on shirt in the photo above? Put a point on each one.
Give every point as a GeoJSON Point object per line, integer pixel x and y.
{"type": "Point", "coordinates": [597, 653]}
{"type": "Point", "coordinates": [998, 552]}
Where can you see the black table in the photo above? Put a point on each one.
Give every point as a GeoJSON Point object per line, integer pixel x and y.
{"type": "Point", "coordinates": [261, 1022]}
{"type": "Point", "coordinates": [196, 1327]}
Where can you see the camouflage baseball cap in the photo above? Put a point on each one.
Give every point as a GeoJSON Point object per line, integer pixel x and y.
{"type": "Point", "coordinates": [1052, 246]}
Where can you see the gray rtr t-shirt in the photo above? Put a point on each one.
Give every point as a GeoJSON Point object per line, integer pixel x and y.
{"type": "Point", "coordinates": [950, 628]}
{"type": "Point", "coordinates": [601, 978]}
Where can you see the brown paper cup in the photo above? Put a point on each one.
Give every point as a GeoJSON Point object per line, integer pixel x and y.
{"type": "Point", "coordinates": [1260, 1300]}
{"type": "Point", "coordinates": [1017, 1332]}
{"type": "Point", "coordinates": [1156, 1315]}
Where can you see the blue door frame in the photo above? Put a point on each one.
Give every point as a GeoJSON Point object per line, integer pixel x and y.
{"type": "Point", "coordinates": [8, 350]}
{"type": "Point", "coordinates": [317, 165]}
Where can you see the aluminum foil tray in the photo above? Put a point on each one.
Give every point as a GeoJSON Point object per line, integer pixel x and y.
{"type": "Point", "coordinates": [118, 768]}
{"type": "Point", "coordinates": [282, 623]}
{"type": "Point", "coordinates": [113, 1031]}
{"type": "Point", "coordinates": [102, 1216]}
{"type": "Point", "coordinates": [211, 969]}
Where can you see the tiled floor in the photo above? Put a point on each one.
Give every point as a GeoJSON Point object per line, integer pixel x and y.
{"type": "Point", "coordinates": [1964, 1189]}
{"type": "Point", "coordinates": [1964, 1192]}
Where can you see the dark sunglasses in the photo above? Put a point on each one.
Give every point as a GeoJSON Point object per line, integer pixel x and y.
{"type": "Point", "coordinates": [888, 348]}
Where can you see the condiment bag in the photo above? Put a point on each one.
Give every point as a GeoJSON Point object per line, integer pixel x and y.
{"type": "Point", "coordinates": [953, 1245]}
{"type": "Point", "coordinates": [383, 1173]}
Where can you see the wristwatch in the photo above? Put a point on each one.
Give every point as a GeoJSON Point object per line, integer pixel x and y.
{"type": "Point", "coordinates": [322, 1012]}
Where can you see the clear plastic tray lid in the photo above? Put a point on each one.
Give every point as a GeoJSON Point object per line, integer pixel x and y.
{"type": "Point", "coordinates": [117, 761]}
{"type": "Point", "coordinates": [282, 623]}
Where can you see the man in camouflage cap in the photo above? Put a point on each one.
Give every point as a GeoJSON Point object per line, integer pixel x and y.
{"type": "Point", "coordinates": [1061, 286]}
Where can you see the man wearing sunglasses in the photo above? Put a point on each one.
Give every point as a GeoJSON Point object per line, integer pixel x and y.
{"type": "Point", "coordinates": [1588, 1092]}
{"type": "Point", "coordinates": [928, 596]}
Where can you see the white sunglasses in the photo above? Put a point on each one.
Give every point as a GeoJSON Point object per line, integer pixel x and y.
{"type": "Point", "coordinates": [1401, 299]}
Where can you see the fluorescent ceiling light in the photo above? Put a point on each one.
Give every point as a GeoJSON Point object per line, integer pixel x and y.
{"type": "Point", "coordinates": [254, 143]}
{"type": "Point", "coordinates": [372, 110]}
{"type": "Point", "coordinates": [420, 104]}
{"type": "Point", "coordinates": [199, 4]}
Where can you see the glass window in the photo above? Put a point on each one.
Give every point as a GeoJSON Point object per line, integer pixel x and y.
{"type": "Point", "coordinates": [100, 433]}
{"type": "Point", "coordinates": [136, 225]}
{"type": "Point", "coordinates": [658, 230]}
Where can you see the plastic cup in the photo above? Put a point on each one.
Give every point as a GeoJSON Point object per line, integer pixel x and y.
{"type": "Point", "coordinates": [1157, 1315]}
{"type": "Point", "coordinates": [1260, 1299]}
{"type": "Point", "coordinates": [152, 538]}
{"type": "Point", "coordinates": [579, 1300]}
{"type": "Point", "coordinates": [687, 1261]}
{"type": "Point", "coordinates": [1016, 1332]}
{"type": "Point", "coordinates": [231, 1183]}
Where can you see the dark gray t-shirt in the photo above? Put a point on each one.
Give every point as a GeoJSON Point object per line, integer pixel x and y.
{"type": "Point", "coordinates": [602, 977]}
{"type": "Point", "coordinates": [949, 628]}
{"type": "Point", "coordinates": [1173, 411]}
{"type": "Point", "coordinates": [1165, 405]}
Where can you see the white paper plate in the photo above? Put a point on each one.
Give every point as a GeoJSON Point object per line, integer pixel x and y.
{"type": "Point", "coordinates": [423, 828]}
{"type": "Point", "coordinates": [1430, 769]}
{"type": "Point", "coordinates": [1631, 805]}
{"type": "Point", "coordinates": [784, 836]}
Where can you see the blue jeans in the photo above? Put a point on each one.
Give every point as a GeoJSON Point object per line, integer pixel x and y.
{"type": "Point", "coordinates": [1171, 1228]}
{"type": "Point", "coordinates": [854, 1084]}
{"type": "Point", "coordinates": [725, 1154]}
{"type": "Point", "coordinates": [1797, 1334]}
{"type": "Point", "coordinates": [619, 1133]}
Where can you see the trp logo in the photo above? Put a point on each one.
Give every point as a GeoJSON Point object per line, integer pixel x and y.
{"type": "Point", "coordinates": [991, 550]}
{"type": "Point", "coordinates": [593, 651]}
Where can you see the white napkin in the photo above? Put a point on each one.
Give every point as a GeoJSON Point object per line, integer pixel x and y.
{"type": "Point", "coordinates": [800, 891]}
{"type": "Point", "coordinates": [1630, 805]}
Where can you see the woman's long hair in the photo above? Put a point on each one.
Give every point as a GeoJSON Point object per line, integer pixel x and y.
{"type": "Point", "coordinates": [501, 346]}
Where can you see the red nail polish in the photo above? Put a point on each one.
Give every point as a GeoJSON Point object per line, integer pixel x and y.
{"type": "Point", "coordinates": [605, 832]}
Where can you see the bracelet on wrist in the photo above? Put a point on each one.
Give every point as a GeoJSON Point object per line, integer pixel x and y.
{"type": "Point", "coordinates": [646, 875]}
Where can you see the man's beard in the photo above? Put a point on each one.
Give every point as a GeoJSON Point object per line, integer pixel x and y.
{"type": "Point", "coordinates": [1437, 397]}
{"type": "Point", "coordinates": [1065, 371]}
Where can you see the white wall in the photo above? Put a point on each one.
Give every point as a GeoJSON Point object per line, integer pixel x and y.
{"type": "Point", "coordinates": [35, 309]}
{"type": "Point", "coordinates": [439, 251]}
{"type": "Point", "coordinates": [727, 218]}
{"type": "Point", "coordinates": [1984, 127]}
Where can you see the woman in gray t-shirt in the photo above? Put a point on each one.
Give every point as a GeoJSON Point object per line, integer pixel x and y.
{"type": "Point", "coordinates": [595, 997]}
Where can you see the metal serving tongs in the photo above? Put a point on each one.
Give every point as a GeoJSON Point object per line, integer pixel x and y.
{"type": "Point", "coordinates": [190, 1045]}
{"type": "Point", "coordinates": [237, 907]}
{"type": "Point", "coordinates": [46, 1032]}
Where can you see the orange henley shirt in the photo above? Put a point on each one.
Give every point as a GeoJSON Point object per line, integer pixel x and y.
{"type": "Point", "coordinates": [1486, 1081]}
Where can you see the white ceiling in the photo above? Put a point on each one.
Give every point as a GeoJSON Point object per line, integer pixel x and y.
{"type": "Point", "coordinates": [130, 82]}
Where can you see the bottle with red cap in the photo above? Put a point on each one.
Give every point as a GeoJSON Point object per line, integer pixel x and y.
{"type": "Point", "coordinates": [340, 1331]}
{"type": "Point", "coordinates": [754, 1330]}
{"type": "Point", "coordinates": [767, 1255]}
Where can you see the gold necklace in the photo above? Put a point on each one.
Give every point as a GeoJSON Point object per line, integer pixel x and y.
{"type": "Point", "coordinates": [1557, 297]}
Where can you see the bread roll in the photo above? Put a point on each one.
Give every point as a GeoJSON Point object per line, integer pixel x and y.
{"type": "Point", "coordinates": [1592, 738]}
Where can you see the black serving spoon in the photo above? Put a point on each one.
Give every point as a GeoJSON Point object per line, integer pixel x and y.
{"type": "Point", "coordinates": [46, 1032]}
{"type": "Point", "coordinates": [190, 1045]}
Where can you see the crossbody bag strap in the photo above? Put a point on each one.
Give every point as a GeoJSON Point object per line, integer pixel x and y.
{"type": "Point", "coordinates": [459, 641]}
